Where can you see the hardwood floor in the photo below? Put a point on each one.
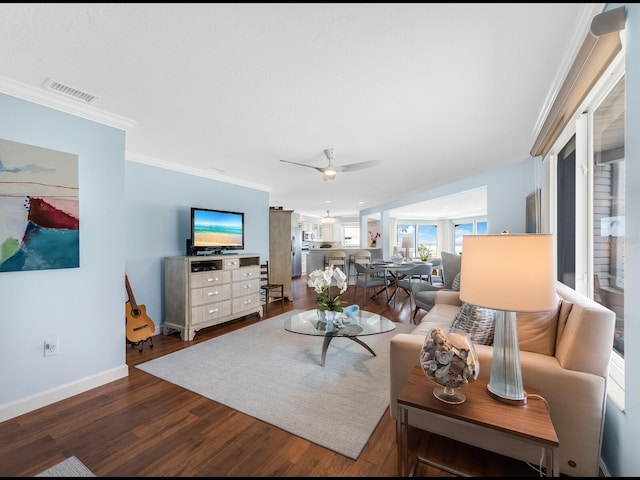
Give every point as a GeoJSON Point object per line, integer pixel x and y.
{"type": "Point", "coordinates": [144, 426]}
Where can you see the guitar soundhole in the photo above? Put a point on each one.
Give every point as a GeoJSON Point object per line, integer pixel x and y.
{"type": "Point", "coordinates": [135, 312]}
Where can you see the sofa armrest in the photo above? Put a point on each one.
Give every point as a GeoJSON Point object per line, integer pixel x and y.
{"type": "Point", "coordinates": [404, 355]}
{"type": "Point", "coordinates": [586, 340]}
{"type": "Point", "coordinates": [450, 297]}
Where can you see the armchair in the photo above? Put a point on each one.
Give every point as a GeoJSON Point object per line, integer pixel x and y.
{"type": "Point", "coordinates": [424, 295]}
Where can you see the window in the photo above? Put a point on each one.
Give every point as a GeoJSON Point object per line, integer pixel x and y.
{"type": "Point", "coordinates": [422, 235]}
{"type": "Point", "coordinates": [599, 203]}
{"type": "Point", "coordinates": [590, 180]}
{"type": "Point", "coordinates": [468, 228]}
{"type": "Point", "coordinates": [428, 237]}
{"type": "Point", "coordinates": [351, 235]}
{"type": "Point", "coordinates": [566, 214]}
{"type": "Point", "coordinates": [609, 207]}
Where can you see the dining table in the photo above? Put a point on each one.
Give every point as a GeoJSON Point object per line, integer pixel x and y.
{"type": "Point", "coordinates": [392, 271]}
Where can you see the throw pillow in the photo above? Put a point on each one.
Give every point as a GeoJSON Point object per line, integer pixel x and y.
{"type": "Point", "coordinates": [537, 331]}
{"type": "Point", "coordinates": [478, 322]}
{"type": "Point", "coordinates": [455, 285]}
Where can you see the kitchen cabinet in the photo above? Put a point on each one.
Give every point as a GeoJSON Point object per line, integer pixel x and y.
{"type": "Point", "coordinates": [331, 232]}
{"type": "Point", "coordinates": [312, 230]}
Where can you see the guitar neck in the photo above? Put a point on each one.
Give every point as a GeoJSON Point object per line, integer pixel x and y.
{"type": "Point", "coordinates": [132, 299]}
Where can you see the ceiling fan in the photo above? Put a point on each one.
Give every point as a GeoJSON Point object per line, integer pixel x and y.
{"type": "Point", "coordinates": [329, 172]}
{"type": "Point", "coordinates": [328, 218]}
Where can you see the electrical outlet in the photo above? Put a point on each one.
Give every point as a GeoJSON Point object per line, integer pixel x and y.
{"type": "Point", "coordinates": [51, 346]}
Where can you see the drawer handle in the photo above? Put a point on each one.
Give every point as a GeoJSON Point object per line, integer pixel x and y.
{"type": "Point", "coordinates": [248, 274]}
{"type": "Point", "coordinates": [246, 287]}
{"type": "Point", "coordinates": [214, 310]}
{"type": "Point", "coordinates": [213, 293]}
{"type": "Point", "coordinates": [212, 279]}
{"type": "Point", "coordinates": [247, 302]}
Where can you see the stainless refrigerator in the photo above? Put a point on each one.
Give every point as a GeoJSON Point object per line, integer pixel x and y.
{"type": "Point", "coordinates": [296, 252]}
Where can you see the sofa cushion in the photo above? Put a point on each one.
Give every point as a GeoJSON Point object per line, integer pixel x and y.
{"type": "Point", "coordinates": [478, 322]}
{"type": "Point", "coordinates": [438, 317]}
{"type": "Point", "coordinates": [455, 285]}
{"type": "Point", "coordinates": [537, 331]}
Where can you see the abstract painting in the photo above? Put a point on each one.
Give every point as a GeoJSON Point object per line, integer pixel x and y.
{"type": "Point", "coordinates": [39, 208]}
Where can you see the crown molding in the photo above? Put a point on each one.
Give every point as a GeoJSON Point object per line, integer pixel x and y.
{"type": "Point", "coordinates": [198, 172]}
{"type": "Point", "coordinates": [57, 102]}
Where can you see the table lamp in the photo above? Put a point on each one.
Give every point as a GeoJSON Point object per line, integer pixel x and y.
{"type": "Point", "coordinates": [508, 273]}
{"type": "Point", "coordinates": [407, 243]}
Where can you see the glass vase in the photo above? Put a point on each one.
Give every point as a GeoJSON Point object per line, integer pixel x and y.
{"type": "Point", "coordinates": [450, 360]}
{"type": "Point", "coordinates": [327, 320]}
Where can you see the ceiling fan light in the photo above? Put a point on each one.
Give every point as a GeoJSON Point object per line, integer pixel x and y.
{"type": "Point", "coordinates": [330, 172]}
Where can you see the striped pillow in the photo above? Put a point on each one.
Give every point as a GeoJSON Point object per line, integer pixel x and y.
{"type": "Point", "coordinates": [455, 285]}
{"type": "Point", "coordinates": [478, 322]}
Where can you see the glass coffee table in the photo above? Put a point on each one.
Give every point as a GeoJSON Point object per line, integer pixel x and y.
{"type": "Point", "coordinates": [365, 323]}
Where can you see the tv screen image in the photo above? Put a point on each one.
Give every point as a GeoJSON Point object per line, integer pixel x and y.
{"type": "Point", "coordinates": [216, 230]}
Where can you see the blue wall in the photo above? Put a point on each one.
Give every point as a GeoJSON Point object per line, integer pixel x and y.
{"type": "Point", "coordinates": [131, 217]}
{"type": "Point", "coordinates": [82, 306]}
{"type": "Point", "coordinates": [507, 190]}
{"type": "Point", "coordinates": [158, 207]}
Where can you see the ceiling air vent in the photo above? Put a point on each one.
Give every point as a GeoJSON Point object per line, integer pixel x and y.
{"type": "Point", "coordinates": [68, 91]}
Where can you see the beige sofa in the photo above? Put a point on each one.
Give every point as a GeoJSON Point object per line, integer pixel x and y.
{"type": "Point", "coordinates": [564, 355]}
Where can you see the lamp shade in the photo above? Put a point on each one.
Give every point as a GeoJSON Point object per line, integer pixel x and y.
{"type": "Point", "coordinates": [508, 272]}
{"type": "Point", "coordinates": [407, 244]}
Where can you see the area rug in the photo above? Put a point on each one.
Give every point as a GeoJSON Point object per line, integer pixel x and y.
{"type": "Point", "coordinates": [276, 376]}
{"type": "Point", "coordinates": [69, 467]}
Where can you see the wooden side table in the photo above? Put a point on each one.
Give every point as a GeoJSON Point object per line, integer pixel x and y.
{"type": "Point", "coordinates": [529, 426]}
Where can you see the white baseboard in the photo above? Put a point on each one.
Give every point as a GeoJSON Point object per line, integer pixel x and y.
{"type": "Point", "coordinates": [39, 400]}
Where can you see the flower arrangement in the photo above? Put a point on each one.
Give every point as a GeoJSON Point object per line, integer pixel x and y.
{"type": "Point", "coordinates": [424, 252]}
{"type": "Point", "coordinates": [321, 282]}
{"type": "Point", "coordinates": [373, 237]}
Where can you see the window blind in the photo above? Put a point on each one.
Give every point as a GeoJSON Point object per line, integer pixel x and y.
{"type": "Point", "coordinates": [598, 50]}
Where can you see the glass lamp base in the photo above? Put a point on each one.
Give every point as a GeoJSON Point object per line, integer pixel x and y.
{"type": "Point", "coordinates": [449, 395]}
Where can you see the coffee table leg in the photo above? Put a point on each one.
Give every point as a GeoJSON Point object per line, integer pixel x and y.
{"type": "Point", "coordinates": [327, 341]}
{"type": "Point", "coordinates": [325, 346]}
{"type": "Point", "coordinates": [360, 342]}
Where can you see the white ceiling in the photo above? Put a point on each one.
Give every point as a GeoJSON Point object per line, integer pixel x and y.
{"type": "Point", "coordinates": [434, 91]}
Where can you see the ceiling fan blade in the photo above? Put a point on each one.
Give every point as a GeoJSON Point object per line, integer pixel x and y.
{"type": "Point", "coordinates": [320, 169]}
{"type": "Point", "coordinates": [359, 166]}
{"type": "Point", "coordinates": [301, 164]}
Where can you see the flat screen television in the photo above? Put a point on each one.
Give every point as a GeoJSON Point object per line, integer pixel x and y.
{"type": "Point", "coordinates": [215, 231]}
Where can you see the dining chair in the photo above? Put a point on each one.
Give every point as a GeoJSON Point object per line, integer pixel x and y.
{"type": "Point", "coordinates": [419, 274]}
{"type": "Point", "coordinates": [359, 256]}
{"type": "Point", "coordinates": [337, 258]}
{"type": "Point", "coordinates": [367, 277]}
{"type": "Point", "coordinates": [271, 291]}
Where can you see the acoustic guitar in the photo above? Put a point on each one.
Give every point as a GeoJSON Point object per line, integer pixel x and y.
{"type": "Point", "coordinates": [139, 326]}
